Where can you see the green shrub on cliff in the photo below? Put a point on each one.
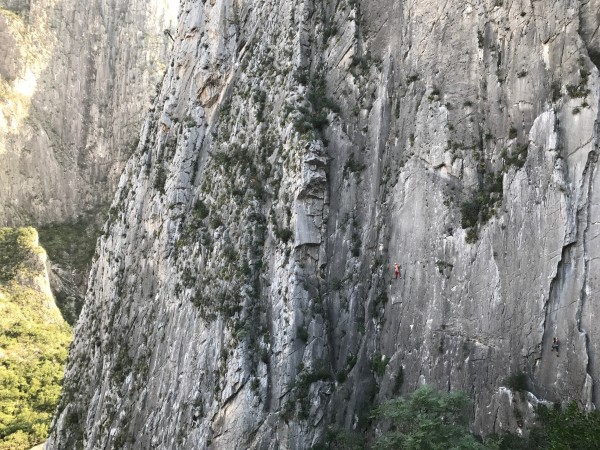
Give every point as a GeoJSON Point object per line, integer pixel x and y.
{"type": "Point", "coordinates": [33, 343]}
{"type": "Point", "coordinates": [556, 428]}
{"type": "Point", "coordinates": [566, 428]}
{"type": "Point", "coordinates": [71, 244]}
{"type": "Point", "coordinates": [428, 419]}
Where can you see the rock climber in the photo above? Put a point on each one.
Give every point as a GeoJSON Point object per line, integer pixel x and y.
{"type": "Point", "coordinates": [555, 344]}
{"type": "Point", "coordinates": [396, 271]}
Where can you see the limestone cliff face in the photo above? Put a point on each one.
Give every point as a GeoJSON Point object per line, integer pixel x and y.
{"type": "Point", "coordinates": [76, 78]}
{"type": "Point", "coordinates": [242, 296]}
{"type": "Point", "coordinates": [75, 81]}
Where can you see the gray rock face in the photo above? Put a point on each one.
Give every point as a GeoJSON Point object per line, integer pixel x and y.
{"type": "Point", "coordinates": [76, 80]}
{"type": "Point", "coordinates": [243, 293]}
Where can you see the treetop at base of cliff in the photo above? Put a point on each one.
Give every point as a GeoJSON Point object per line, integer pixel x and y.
{"type": "Point", "coordinates": [33, 342]}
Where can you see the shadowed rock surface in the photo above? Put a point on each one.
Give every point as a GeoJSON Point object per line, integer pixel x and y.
{"type": "Point", "coordinates": [242, 296]}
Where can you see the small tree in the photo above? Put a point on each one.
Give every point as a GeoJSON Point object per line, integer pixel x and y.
{"type": "Point", "coordinates": [557, 429]}
{"type": "Point", "coordinates": [428, 420]}
{"type": "Point", "coordinates": [569, 428]}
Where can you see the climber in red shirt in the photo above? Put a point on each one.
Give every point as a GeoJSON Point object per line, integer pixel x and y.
{"type": "Point", "coordinates": [396, 271]}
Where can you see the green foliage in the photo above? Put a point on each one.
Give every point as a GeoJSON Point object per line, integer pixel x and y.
{"type": "Point", "coordinates": [360, 63]}
{"type": "Point", "coordinates": [122, 366]}
{"type": "Point", "coordinates": [200, 211]}
{"type": "Point", "coordinates": [378, 364]}
{"type": "Point", "coordinates": [442, 265]}
{"type": "Point", "coordinates": [329, 31]}
{"type": "Point", "coordinates": [557, 429]}
{"type": "Point", "coordinates": [517, 382]}
{"type": "Point", "coordinates": [579, 90]}
{"type": "Point", "coordinates": [238, 194]}
{"type": "Point", "coordinates": [480, 39]}
{"type": "Point", "coordinates": [398, 380]}
{"type": "Point", "coordinates": [226, 161]}
{"type": "Point", "coordinates": [472, 236]}
{"type": "Point", "coordinates": [569, 428]}
{"type": "Point", "coordinates": [352, 166]}
{"type": "Point", "coordinates": [556, 88]}
{"type": "Point", "coordinates": [341, 376]}
{"type": "Point", "coordinates": [302, 388]}
{"type": "Point", "coordinates": [215, 222]}
{"type": "Point", "coordinates": [518, 157]}
{"type": "Point", "coordinates": [314, 117]}
{"type": "Point", "coordinates": [301, 76]}
{"type": "Point", "coordinates": [433, 420]}
{"type": "Point", "coordinates": [434, 95]}
{"type": "Point", "coordinates": [160, 179]}
{"type": "Point", "coordinates": [481, 206]}
{"type": "Point", "coordinates": [15, 247]}
{"type": "Point", "coordinates": [225, 110]}
{"type": "Point", "coordinates": [471, 209]}
{"type": "Point", "coordinates": [33, 344]}
{"type": "Point", "coordinates": [260, 98]}
{"type": "Point", "coordinates": [427, 420]}
{"type": "Point", "coordinates": [284, 234]}
{"type": "Point", "coordinates": [381, 299]}
{"type": "Point", "coordinates": [72, 244]}
{"type": "Point", "coordinates": [340, 439]}
{"type": "Point", "coordinates": [356, 243]}
{"type": "Point", "coordinates": [337, 285]}
{"type": "Point", "coordinates": [302, 333]}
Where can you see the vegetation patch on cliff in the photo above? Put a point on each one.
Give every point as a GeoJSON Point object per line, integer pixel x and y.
{"type": "Point", "coordinates": [72, 244]}
{"type": "Point", "coordinates": [33, 343]}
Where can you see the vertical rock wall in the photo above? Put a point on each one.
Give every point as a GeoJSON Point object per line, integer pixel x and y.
{"type": "Point", "coordinates": [76, 80]}
{"type": "Point", "coordinates": [242, 296]}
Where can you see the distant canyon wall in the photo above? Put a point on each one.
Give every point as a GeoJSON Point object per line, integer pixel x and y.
{"type": "Point", "coordinates": [76, 79]}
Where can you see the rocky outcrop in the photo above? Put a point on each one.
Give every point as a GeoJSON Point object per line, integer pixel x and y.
{"type": "Point", "coordinates": [243, 293]}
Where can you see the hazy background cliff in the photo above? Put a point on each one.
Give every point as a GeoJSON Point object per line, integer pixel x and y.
{"type": "Point", "coordinates": [242, 296]}
{"type": "Point", "coordinates": [75, 81]}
